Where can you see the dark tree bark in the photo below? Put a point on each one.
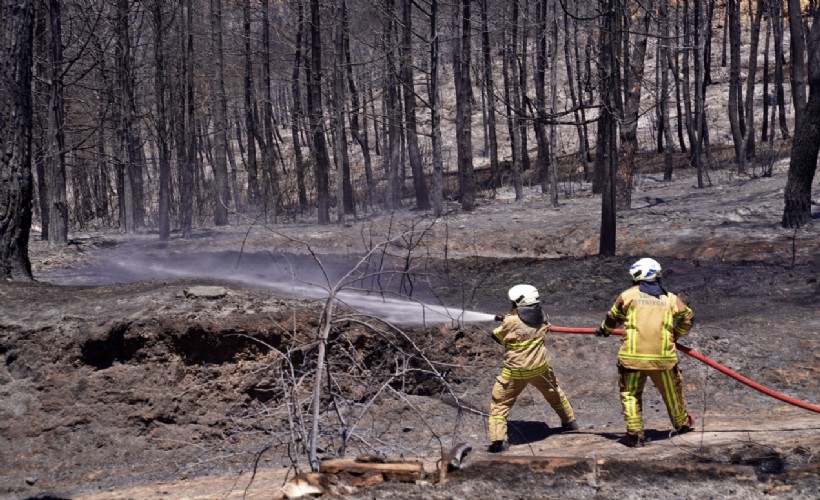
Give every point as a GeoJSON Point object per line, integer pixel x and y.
{"type": "Point", "coordinates": [764, 127]}
{"type": "Point", "coordinates": [464, 110]}
{"type": "Point", "coordinates": [15, 138]}
{"type": "Point", "coordinates": [222, 197]}
{"type": "Point", "coordinates": [700, 92]}
{"type": "Point", "coordinates": [665, 126]}
{"type": "Point", "coordinates": [674, 64]}
{"type": "Point", "coordinates": [321, 160]}
{"type": "Point", "coordinates": [748, 144]}
{"type": "Point", "coordinates": [161, 123]}
{"type": "Point", "coordinates": [798, 59]}
{"type": "Point", "coordinates": [521, 117]}
{"type": "Point", "coordinates": [131, 159]}
{"type": "Point", "coordinates": [250, 123]}
{"type": "Point", "coordinates": [271, 174]}
{"type": "Point", "coordinates": [392, 110]}
{"type": "Point", "coordinates": [187, 129]}
{"type": "Point", "coordinates": [806, 143]}
{"type": "Point", "coordinates": [577, 104]}
{"type": "Point", "coordinates": [435, 113]}
{"type": "Point", "coordinates": [775, 16]}
{"type": "Point", "coordinates": [345, 204]}
{"type": "Point", "coordinates": [55, 139]}
{"type": "Point", "coordinates": [413, 153]}
{"type": "Point", "coordinates": [553, 107]}
{"type": "Point", "coordinates": [610, 38]}
{"type": "Point", "coordinates": [296, 112]}
{"type": "Point", "coordinates": [510, 93]}
{"type": "Point", "coordinates": [632, 101]}
{"type": "Point", "coordinates": [39, 147]}
{"type": "Point", "coordinates": [357, 130]}
{"type": "Point", "coordinates": [707, 43]}
{"type": "Point", "coordinates": [104, 103]}
{"type": "Point", "coordinates": [540, 76]}
{"type": "Point", "coordinates": [689, 121]}
{"type": "Point", "coordinates": [734, 77]}
{"type": "Point", "coordinates": [489, 90]}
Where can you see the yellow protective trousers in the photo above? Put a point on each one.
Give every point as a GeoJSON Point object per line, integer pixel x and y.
{"type": "Point", "coordinates": [507, 389]}
{"type": "Point", "coordinates": [669, 383]}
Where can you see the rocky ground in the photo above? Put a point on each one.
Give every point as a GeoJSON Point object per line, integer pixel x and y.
{"type": "Point", "coordinates": [139, 369]}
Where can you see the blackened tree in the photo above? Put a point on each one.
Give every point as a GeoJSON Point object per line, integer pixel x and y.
{"type": "Point", "coordinates": [15, 138]}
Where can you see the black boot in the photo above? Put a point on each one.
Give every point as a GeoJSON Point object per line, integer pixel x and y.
{"type": "Point", "coordinates": [498, 446]}
{"type": "Point", "coordinates": [569, 426]}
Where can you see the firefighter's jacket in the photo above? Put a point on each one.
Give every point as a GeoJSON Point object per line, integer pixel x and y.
{"type": "Point", "coordinates": [652, 325]}
{"type": "Point", "coordinates": [525, 355]}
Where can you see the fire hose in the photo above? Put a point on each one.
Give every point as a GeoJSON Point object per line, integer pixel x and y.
{"type": "Point", "coordinates": [712, 363]}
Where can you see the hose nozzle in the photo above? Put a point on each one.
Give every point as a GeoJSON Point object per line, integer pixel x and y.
{"type": "Point", "coordinates": [499, 317]}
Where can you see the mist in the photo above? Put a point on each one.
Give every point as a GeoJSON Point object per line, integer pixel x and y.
{"type": "Point", "coordinates": [376, 290]}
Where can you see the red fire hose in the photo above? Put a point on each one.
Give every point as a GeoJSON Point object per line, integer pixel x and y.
{"type": "Point", "coordinates": [714, 364]}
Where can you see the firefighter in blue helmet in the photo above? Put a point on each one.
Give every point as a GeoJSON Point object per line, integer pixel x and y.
{"type": "Point", "coordinates": [653, 320]}
{"type": "Point", "coordinates": [525, 363]}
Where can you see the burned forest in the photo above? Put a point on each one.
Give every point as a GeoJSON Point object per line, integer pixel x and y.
{"type": "Point", "coordinates": [263, 248]}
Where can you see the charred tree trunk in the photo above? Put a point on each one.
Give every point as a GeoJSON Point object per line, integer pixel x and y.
{"type": "Point", "coordinates": [131, 158]}
{"type": "Point", "coordinates": [187, 169]}
{"type": "Point", "coordinates": [357, 130]}
{"type": "Point", "coordinates": [489, 90]}
{"type": "Point", "coordinates": [577, 104]}
{"type": "Point", "coordinates": [700, 91]}
{"type": "Point", "coordinates": [16, 43]}
{"type": "Point", "coordinates": [748, 144]}
{"type": "Point", "coordinates": [632, 101]}
{"type": "Point", "coordinates": [464, 107]}
{"type": "Point", "coordinates": [610, 97]}
{"type": "Point", "coordinates": [413, 153]}
{"type": "Point", "coordinates": [345, 204]}
{"type": "Point", "coordinates": [665, 125]}
{"type": "Point", "coordinates": [296, 113]}
{"type": "Point", "coordinates": [540, 94]}
{"type": "Point", "coordinates": [250, 123]}
{"type": "Point", "coordinates": [553, 108]}
{"type": "Point", "coordinates": [510, 96]}
{"type": "Point", "coordinates": [734, 79]}
{"type": "Point", "coordinates": [798, 59]}
{"type": "Point", "coordinates": [321, 161]}
{"type": "Point", "coordinates": [806, 143]}
{"type": "Point", "coordinates": [271, 173]}
{"type": "Point", "coordinates": [392, 107]}
{"type": "Point", "coordinates": [435, 113]}
{"type": "Point", "coordinates": [55, 139]}
{"type": "Point", "coordinates": [691, 133]}
{"type": "Point", "coordinates": [161, 123]}
{"type": "Point", "coordinates": [775, 16]}
{"type": "Point", "coordinates": [222, 197]}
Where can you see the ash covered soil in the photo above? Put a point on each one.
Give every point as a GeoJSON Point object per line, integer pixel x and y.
{"type": "Point", "coordinates": [139, 369]}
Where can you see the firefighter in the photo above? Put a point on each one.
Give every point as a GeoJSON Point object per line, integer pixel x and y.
{"type": "Point", "coordinates": [525, 362]}
{"type": "Point", "coordinates": [653, 319]}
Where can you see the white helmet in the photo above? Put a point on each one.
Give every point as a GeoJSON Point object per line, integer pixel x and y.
{"type": "Point", "coordinates": [523, 295]}
{"type": "Point", "coordinates": [645, 269]}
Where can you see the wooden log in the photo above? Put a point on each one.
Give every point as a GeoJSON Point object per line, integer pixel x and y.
{"type": "Point", "coordinates": [392, 471]}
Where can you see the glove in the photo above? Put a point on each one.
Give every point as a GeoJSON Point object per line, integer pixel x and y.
{"type": "Point", "coordinates": [600, 332]}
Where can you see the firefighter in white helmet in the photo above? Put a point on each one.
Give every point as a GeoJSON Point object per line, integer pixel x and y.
{"type": "Point", "coordinates": [525, 362]}
{"type": "Point", "coordinates": [653, 320]}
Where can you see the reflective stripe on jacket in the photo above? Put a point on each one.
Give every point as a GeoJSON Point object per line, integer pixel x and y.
{"type": "Point", "coordinates": [652, 325]}
{"type": "Point", "coordinates": [525, 355]}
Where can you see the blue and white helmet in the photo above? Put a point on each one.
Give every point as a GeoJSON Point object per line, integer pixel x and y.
{"type": "Point", "coordinates": [645, 269]}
